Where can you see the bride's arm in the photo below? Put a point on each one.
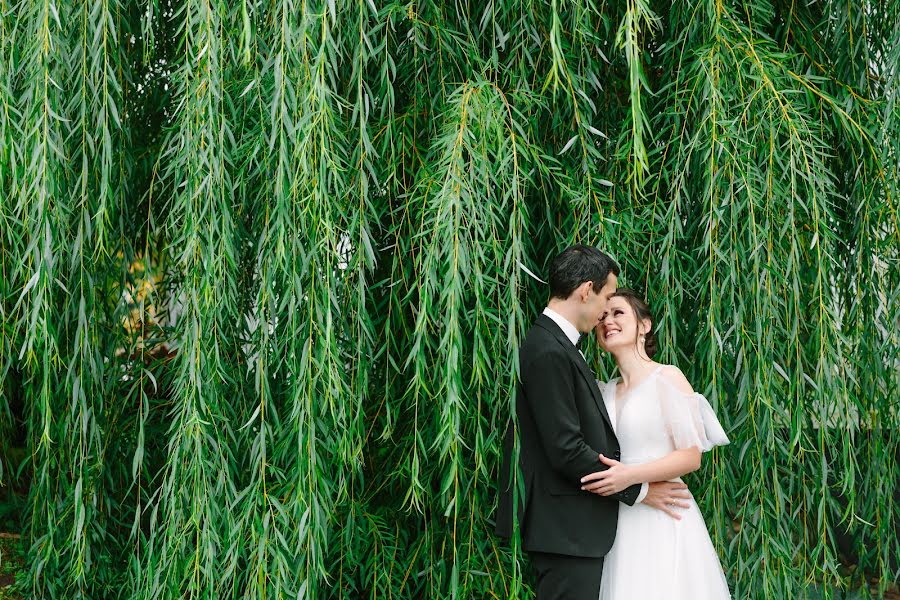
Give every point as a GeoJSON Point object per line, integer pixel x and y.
{"type": "Point", "coordinates": [618, 476]}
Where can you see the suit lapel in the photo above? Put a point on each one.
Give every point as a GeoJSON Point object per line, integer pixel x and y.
{"type": "Point", "coordinates": [606, 394]}
{"type": "Point", "coordinates": [548, 324]}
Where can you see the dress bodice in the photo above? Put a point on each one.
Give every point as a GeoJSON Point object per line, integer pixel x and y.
{"type": "Point", "coordinates": [655, 417]}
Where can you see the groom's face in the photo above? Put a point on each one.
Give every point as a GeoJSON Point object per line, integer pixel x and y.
{"type": "Point", "coordinates": [597, 300]}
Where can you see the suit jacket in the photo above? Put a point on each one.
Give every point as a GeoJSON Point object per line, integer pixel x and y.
{"type": "Point", "coordinates": [563, 427]}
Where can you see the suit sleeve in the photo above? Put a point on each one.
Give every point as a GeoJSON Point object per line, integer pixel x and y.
{"type": "Point", "coordinates": [550, 394]}
{"type": "Point", "coordinates": [630, 494]}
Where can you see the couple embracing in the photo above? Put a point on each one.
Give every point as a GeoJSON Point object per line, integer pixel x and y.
{"type": "Point", "coordinates": [601, 509]}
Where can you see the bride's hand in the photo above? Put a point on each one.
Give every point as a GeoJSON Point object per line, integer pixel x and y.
{"type": "Point", "coordinates": [611, 481]}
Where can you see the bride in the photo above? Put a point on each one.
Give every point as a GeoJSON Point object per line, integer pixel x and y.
{"type": "Point", "coordinates": [662, 426]}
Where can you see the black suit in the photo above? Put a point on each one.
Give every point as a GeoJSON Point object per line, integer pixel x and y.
{"type": "Point", "coordinates": [563, 426]}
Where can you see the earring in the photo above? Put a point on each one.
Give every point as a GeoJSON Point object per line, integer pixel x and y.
{"type": "Point", "coordinates": [643, 339]}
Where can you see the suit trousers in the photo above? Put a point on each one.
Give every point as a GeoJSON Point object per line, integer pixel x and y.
{"type": "Point", "coordinates": [562, 577]}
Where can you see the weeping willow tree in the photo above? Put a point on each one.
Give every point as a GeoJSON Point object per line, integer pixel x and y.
{"type": "Point", "coordinates": [266, 265]}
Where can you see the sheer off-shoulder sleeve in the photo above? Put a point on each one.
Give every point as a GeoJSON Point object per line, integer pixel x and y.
{"type": "Point", "coordinates": [689, 418]}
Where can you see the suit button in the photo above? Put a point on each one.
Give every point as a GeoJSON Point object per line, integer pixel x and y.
{"type": "Point", "coordinates": [617, 455]}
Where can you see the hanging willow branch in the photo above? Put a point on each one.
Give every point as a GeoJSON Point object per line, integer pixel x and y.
{"type": "Point", "coordinates": [191, 524]}
{"type": "Point", "coordinates": [41, 210]}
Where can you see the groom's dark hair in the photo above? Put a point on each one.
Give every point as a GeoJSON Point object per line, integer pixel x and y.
{"type": "Point", "coordinates": [577, 264]}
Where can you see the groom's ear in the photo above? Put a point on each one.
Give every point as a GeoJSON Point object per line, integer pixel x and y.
{"type": "Point", "coordinates": [584, 290]}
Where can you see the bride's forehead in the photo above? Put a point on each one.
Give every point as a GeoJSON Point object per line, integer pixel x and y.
{"type": "Point", "coordinates": [617, 302]}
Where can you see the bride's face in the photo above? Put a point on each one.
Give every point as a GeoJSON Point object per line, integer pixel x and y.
{"type": "Point", "coordinates": [619, 326]}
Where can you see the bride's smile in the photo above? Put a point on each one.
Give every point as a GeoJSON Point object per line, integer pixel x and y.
{"type": "Point", "coordinates": [619, 328]}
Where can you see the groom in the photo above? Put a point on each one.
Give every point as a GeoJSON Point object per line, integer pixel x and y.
{"type": "Point", "coordinates": [563, 427]}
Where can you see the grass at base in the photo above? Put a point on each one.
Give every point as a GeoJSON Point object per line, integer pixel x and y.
{"type": "Point", "coordinates": [11, 563]}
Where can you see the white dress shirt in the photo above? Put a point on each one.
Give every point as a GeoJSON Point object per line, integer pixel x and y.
{"type": "Point", "coordinates": [573, 335]}
{"type": "Point", "coordinates": [570, 330]}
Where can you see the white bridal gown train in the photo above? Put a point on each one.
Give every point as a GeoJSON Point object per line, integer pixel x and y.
{"type": "Point", "coordinates": [654, 556]}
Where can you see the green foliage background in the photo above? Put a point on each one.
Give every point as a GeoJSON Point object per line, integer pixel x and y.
{"type": "Point", "coordinates": [262, 281]}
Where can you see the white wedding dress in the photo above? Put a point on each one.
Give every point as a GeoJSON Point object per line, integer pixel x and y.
{"type": "Point", "coordinates": [655, 557]}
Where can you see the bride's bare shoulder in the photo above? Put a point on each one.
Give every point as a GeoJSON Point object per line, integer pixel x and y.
{"type": "Point", "coordinates": [676, 378]}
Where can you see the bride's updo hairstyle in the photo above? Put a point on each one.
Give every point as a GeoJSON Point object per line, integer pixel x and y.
{"type": "Point", "coordinates": [641, 311]}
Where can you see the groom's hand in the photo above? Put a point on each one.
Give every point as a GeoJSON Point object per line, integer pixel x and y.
{"type": "Point", "coordinates": [668, 496]}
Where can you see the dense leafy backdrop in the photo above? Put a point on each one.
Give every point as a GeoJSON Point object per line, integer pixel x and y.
{"type": "Point", "coordinates": [263, 277]}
